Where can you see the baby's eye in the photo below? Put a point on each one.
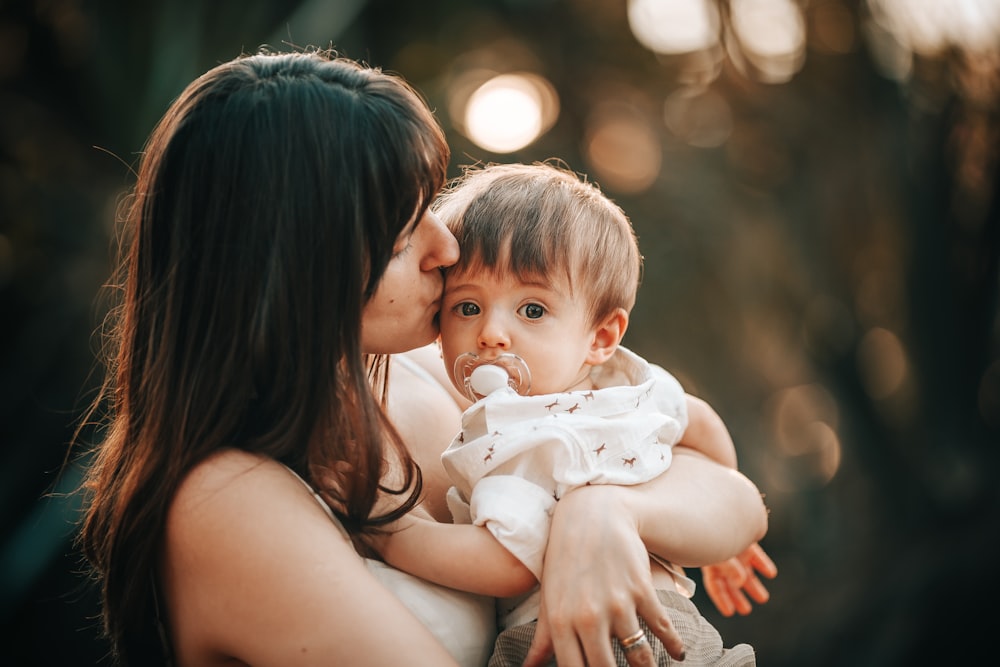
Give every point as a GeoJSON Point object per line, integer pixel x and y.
{"type": "Point", "coordinates": [467, 309]}
{"type": "Point", "coordinates": [532, 311]}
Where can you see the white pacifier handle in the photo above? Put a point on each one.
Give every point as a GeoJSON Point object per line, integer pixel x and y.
{"type": "Point", "coordinates": [481, 377]}
{"type": "Point", "coordinates": [485, 380]}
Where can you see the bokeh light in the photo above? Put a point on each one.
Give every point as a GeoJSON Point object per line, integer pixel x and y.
{"type": "Point", "coordinates": [928, 27]}
{"type": "Point", "coordinates": [701, 118]}
{"type": "Point", "coordinates": [804, 422]}
{"type": "Point", "coordinates": [882, 362]}
{"type": "Point", "coordinates": [622, 148]}
{"type": "Point", "coordinates": [510, 111]}
{"type": "Point", "coordinates": [674, 26]}
{"type": "Point", "coordinates": [832, 28]}
{"type": "Point", "coordinates": [772, 36]}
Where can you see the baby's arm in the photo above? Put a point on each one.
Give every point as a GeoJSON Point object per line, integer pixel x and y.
{"type": "Point", "coordinates": [462, 556]}
{"type": "Point", "coordinates": [707, 434]}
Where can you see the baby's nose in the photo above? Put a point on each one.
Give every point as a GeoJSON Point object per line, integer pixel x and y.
{"type": "Point", "coordinates": [493, 334]}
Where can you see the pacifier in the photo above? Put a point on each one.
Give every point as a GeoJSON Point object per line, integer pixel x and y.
{"type": "Point", "coordinates": [480, 377]}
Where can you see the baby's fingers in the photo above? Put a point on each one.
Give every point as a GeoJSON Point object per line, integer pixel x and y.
{"type": "Point", "coordinates": [740, 601]}
{"type": "Point", "coordinates": [756, 590]}
{"type": "Point", "coordinates": [761, 562]}
{"type": "Point", "coordinates": [718, 591]}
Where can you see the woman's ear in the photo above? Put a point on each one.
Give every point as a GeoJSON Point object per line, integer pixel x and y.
{"type": "Point", "coordinates": [607, 335]}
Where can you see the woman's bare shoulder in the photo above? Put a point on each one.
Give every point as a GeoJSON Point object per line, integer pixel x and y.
{"type": "Point", "coordinates": [220, 471]}
{"type": "Point", "coordinates": [239, 531]}
{"type": "Point", "coordinates": [233, 494]}
{"type": "Point", "coordinates": [255, 570]}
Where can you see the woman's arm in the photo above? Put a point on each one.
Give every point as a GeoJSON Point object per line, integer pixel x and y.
{"type": "Point", "coordinates": [465, 557]}
{"type": "Point", "coordinates": [707, 433]}
{"type": "Point", "coordinates": [254, 570]}
{"type": "Point", "coordinates": [697, 512]}
{"type": "Point", "coordinates": [596, 582]}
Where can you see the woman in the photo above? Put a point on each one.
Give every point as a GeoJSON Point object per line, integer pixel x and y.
{"type": "Point", "coordinates": [278, 246]}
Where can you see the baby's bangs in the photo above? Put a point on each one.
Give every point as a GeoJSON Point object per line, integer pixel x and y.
{"type": "Point", "coordinates": [539, 266]}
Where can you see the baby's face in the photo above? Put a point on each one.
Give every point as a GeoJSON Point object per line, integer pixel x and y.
{"type": "Point", "coordinates": [541, 322]}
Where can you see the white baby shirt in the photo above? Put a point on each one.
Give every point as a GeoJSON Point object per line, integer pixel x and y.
{"type": "Point", "coordinates": [517, 455]}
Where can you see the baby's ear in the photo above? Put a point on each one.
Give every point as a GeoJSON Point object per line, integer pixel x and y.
{"type": "Point", "coordinates": [607, 335]}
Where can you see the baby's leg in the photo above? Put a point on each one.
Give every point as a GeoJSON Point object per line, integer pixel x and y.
{"type": "Point", "coordinates": [702, 642]}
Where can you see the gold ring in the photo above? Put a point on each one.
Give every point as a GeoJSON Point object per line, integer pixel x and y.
{"type": "Point", "coordinates": [633, 641]}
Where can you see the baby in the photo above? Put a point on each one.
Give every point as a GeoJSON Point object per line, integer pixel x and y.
{"type": "Point", "coordinates": [531, 326]}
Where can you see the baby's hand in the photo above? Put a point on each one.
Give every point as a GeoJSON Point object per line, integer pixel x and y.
{"type": "Point", "coordinates": [725, 582]}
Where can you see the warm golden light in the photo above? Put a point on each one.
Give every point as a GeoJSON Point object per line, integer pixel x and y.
{"type": "Point", "coordinates": [622, 149]}
{"type": "Point", "coordinates": [804, 425]}
{"type": "Point", "coordinates": [828, 451]}
{"type": "Point", "coordinates": [881, 362]}
{"type": "Point", "coordinates": [700, 118]}
{"type": "Point", "coordinates": [795, 410]}
{"type": "Point", "coordinates": [772, 35]}
{"type": "Point", "coordinates": [510, 111]}
{"type": "Point", "coordinates": [674, 26]}
{"type": "Point", "coordinates": [928, 27]}
{"type": "Point", "coordinates": [832, 28]}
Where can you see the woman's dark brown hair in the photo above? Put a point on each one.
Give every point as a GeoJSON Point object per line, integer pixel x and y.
{"type": "Point", "coordinates": [265, 211]}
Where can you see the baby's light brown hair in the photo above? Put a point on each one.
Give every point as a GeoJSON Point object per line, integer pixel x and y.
{"type": "Point", "coordinates": [542, 221]}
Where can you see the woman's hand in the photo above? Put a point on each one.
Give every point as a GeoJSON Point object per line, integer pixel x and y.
{"type": "Point", "coordinates": [596, 581]}
{"type": "Point", "coordinates": [726, 582]}
{"type": "Point", "coordinates": [596, 585]}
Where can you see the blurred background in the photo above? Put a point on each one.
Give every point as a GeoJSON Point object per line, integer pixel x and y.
{"type": "Point", "coordinates": [815, 188]}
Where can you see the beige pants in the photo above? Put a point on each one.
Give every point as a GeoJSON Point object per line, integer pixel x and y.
{"type": "Point", "coordinates": [702, 643]}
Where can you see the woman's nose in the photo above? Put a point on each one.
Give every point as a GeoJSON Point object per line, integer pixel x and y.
{"type": "Point", "coordinates": [441, 243]}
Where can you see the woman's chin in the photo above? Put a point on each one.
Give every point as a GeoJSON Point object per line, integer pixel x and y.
{"type": "Point", "coordinates": [429, 337]}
